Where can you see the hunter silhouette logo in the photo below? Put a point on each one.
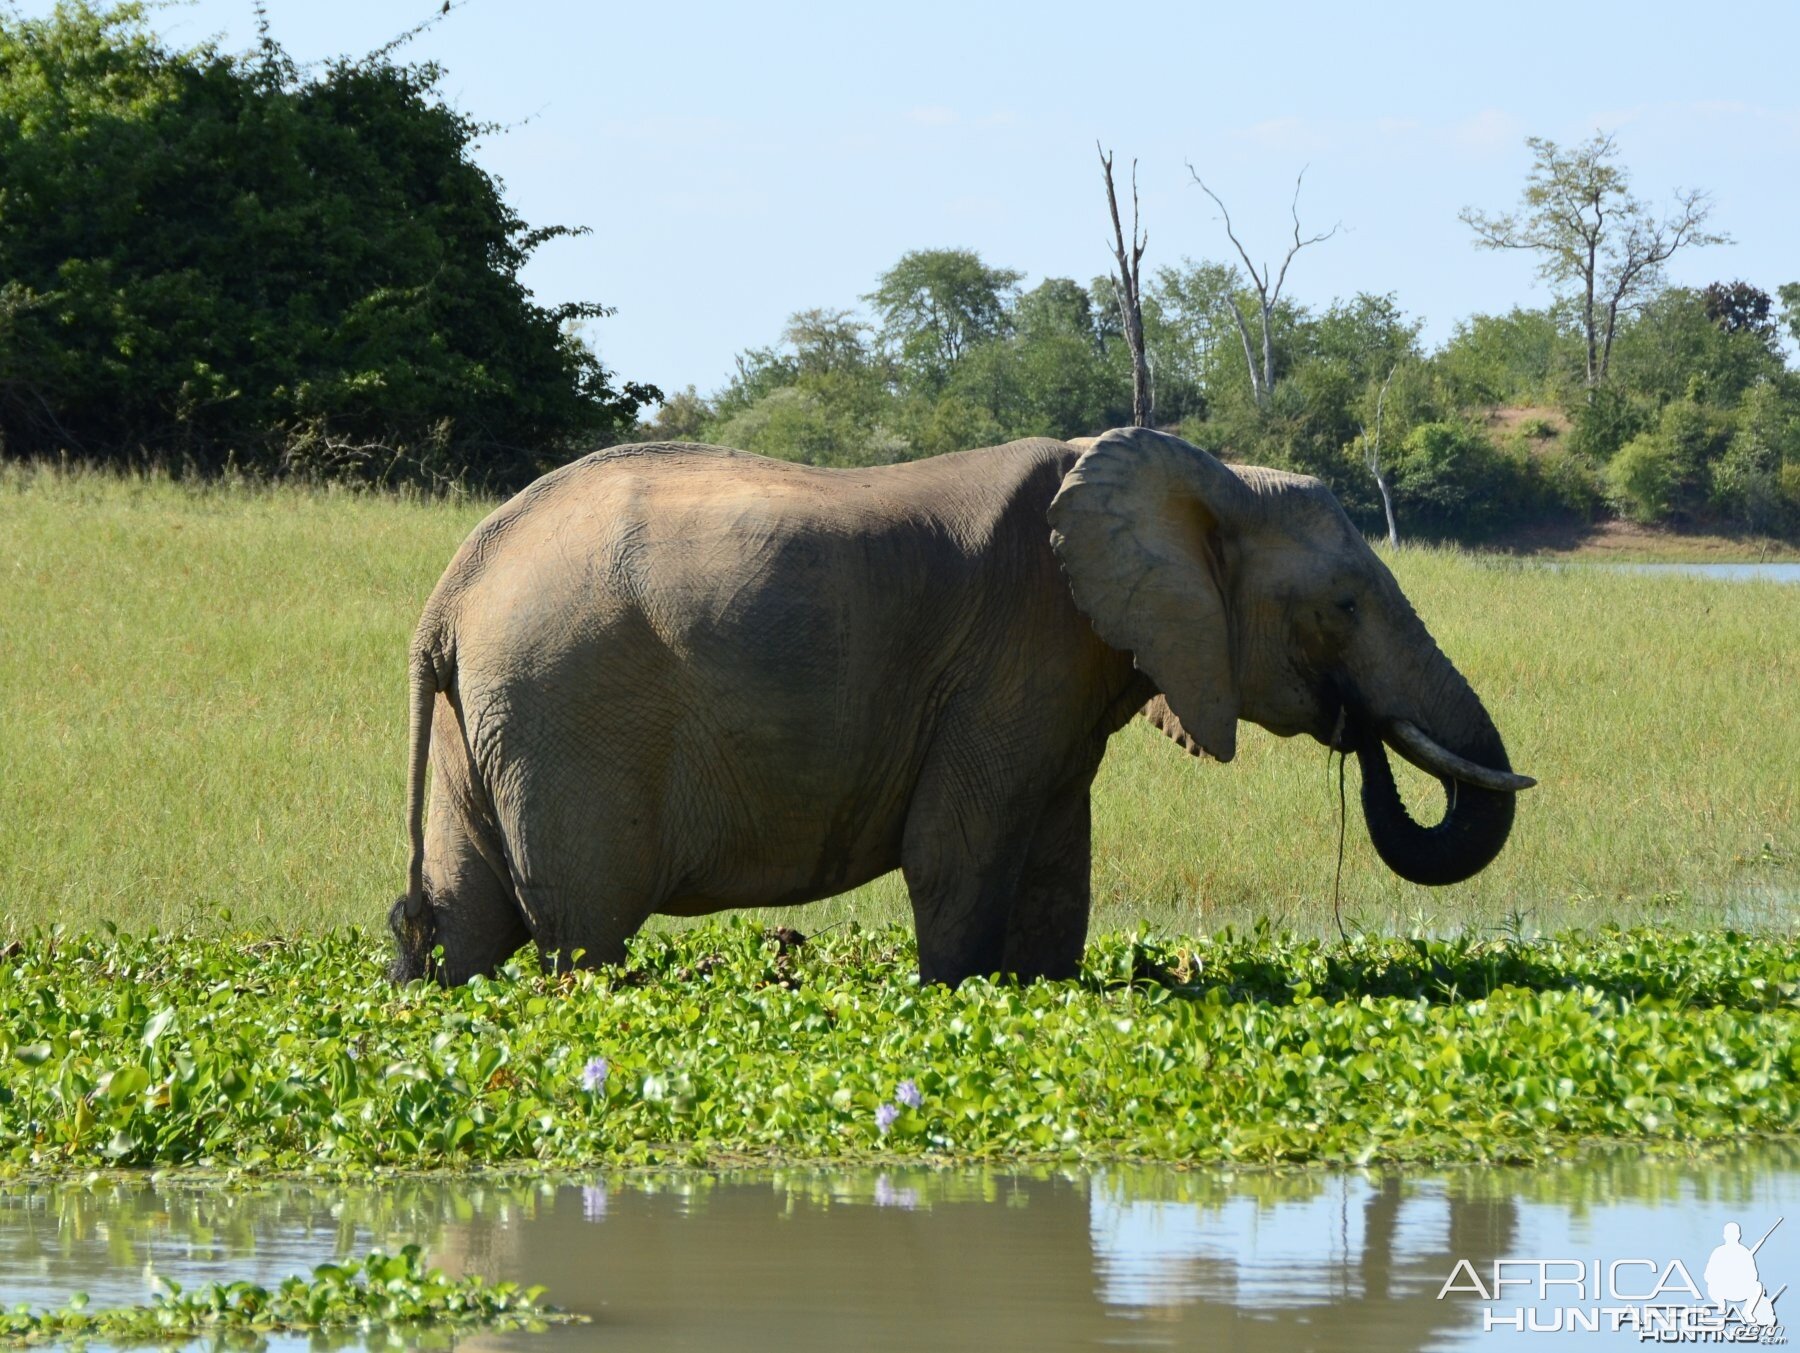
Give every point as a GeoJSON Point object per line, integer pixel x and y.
{"type": "Point", "coordinates": [1656, 1299]}
{"type": "Point", "coordinates": [1732, 1281]}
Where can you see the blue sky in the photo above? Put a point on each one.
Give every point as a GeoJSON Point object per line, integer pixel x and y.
{"type": "Point", "coordinates": [738, 162]}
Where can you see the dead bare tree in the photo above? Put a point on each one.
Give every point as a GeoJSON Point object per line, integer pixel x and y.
{"type": "Point", "coordinates": [1131, 306]}
{"type": "Point", "coordinates": [1268, 284]}
{"type": "Point", "coordinates": [1372, 458]}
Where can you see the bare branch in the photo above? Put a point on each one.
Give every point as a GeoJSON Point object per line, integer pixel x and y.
{"type": "Point", "coordinates": [1299, 243]}
{"type": "Point", "coordinates": [1294, 208]}
{"type": "Point", "coordinates": [1262, 383]}
{"type": "Point", "coordinates": [1230, 234]}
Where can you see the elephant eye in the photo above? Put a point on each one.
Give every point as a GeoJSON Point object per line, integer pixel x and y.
{"type": "Point", "coordinates": [1348, 607]}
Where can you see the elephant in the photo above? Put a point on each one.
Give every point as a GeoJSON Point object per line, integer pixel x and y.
{"type": "Point", "coordinates": [681, 679]}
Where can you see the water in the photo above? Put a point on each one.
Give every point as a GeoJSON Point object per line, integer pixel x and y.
{"type": "Point", "coordinates": [913, 1258]}
{"type": "Point", "coordinates": [1775, 573]}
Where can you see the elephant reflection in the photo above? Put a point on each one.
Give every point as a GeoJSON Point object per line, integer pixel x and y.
{"type": "Point", "coordinates": [927, 1259]}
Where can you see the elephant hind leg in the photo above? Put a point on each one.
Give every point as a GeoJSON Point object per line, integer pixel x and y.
{"type": "Point", "coordinates": [584, 886]}
{"type": "Point", "coordinates": [472, 911]}
{"type": "Point", "coordinates": [474, 916]}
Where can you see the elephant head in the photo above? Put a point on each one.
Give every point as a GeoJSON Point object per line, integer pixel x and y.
{"type": "Point", "coordinates": [1246, 593]}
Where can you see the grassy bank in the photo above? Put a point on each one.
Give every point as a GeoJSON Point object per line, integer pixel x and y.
{"type": "Point", "coordinates": [202, 712]}
{"type": "Point", "coordinates": [720, 1044]}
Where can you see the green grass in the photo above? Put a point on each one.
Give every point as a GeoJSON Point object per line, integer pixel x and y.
{"type": "Point", "coordinates": [202, 711]}
{"type": "Point", "coordinates": [719, 1045]}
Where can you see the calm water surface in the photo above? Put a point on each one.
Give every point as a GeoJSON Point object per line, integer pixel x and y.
{"type": "Point", "coordinates": [904, 1259]}
{"type": "Point", "coordinates": [1775, 573]}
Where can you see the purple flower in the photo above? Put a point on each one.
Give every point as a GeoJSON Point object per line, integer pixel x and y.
{"type": "Point", "coordinates": [908, 1094]}
{"type": "Point", "coordinates": [885, 1116]}
{"type": "Point", "coordinates": [593, 1075]}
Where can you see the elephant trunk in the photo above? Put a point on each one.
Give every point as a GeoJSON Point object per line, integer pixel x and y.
{"type": "Point", "coordinates": [1459, 744]}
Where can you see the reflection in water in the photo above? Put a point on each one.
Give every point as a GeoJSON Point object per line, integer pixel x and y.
{"type": "Point", "coordinates": [908, 1258]}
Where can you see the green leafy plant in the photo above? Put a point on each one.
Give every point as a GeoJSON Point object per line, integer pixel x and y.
{"type": "Point", "coordinates": [726, 1043]}
{"type": "Point", "coordinates": [390, 1294]}
{"type": "Point", "coordinates": [1640, 480]}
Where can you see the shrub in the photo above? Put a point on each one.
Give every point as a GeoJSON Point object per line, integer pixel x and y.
{"type": "Point", "coordinates": [1603, 420]}
{"type": "Point", "coordinates": [1640, 479]}
{"type": "Point", "coordinates": [1788, 489]}
{"type": "Point", "coordinates": [1747, 479]}
{"type": "Point", "coordinates": [1450, 477]}
{"type": "Point", "coordinates": [1569, 480]}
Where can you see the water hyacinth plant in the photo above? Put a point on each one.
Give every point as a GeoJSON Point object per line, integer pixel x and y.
{"type": "Point", "coordinates": [389, 1294]}
{"type": "Point", "coordinates": [297, 1054]}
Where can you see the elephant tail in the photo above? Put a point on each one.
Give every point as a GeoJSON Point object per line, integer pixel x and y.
{"type": "Point", "coordinates": [423, 685]}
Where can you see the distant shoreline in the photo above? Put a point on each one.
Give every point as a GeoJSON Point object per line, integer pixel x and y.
{"type": "Point", "coordinates": [1628, 542]}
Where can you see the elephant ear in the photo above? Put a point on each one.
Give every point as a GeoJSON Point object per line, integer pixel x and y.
{"type": "Point", "coordinates": [1139, 525]}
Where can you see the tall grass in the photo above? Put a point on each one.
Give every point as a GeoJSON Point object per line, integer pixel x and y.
{"type": "Point", "coordinates": [202, 713]}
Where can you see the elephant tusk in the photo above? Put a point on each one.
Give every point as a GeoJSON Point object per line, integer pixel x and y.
{"type": "Point", "coordinates": [1411, 741]}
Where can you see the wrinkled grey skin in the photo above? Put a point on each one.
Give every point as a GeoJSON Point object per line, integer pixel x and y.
{"type": "Point", "coordinates": [680, 679]}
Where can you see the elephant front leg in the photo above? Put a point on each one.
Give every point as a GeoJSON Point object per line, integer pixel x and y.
{"type": "Point", "coordinates": [1048, 926]}
{"type": "Point", "coordinates": [961, 858]}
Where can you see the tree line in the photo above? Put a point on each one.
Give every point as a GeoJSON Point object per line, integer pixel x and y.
{"type": "Point", "coordinates": [212, 261]}
{"type": "Point", "coordinates": [1621, 395]}
{"type": "Point", "coordinates": [1699, 418]}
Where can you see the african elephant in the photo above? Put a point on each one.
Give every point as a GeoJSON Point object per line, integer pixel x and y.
{"type": "Point", "coordinates": [682, 679]}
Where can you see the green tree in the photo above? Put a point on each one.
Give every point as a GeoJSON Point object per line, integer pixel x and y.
{"type": "Point", "coordinates": [1442, 468]}
{"type": "Point", "coordinates": [1790, 309]}
{"type": "Point", "coordinates": [1057, 305]}
{"type": "Point", "coordinates": [822, 396]}
{"type": "Point", "coordinates": [936, 304]}
{"type": "Point", "coordinates": [683, 417]}
{"type": "Point", "coordinates": [1665, 471]}
{"type": "Point", "coordinates": [1738, 307]}
{"type": "Point", "coordinates": [1189, 331]}
{"type": "Point", "coordinates": [1640, 479]}
{"type": "Point", "coordinates": [1593, 236]}
{"type": "Point", "coordinates": [206, 258]}
{"type": "Point", "coordinates": [827, 340]}
{"type": "Point", "coordinates": [1074, 377]}
{"type": "Point", "coordinates": [1522, 357]}
{"type": "Point", "coordinates": [1677, 347]}
{"type": "Point", "coordinates": [1750, 481]}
